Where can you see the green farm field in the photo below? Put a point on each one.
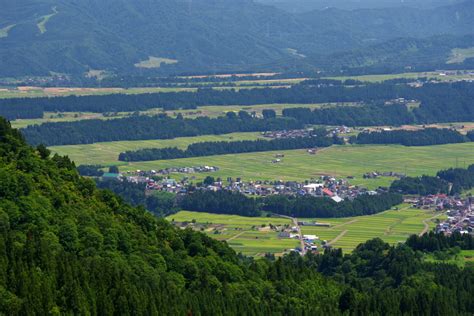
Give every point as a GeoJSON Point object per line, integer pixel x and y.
{"type": "Point", "coordinates": [392, 226]}
{"type": "Point", "coordinates": [338, 161]}
{"type": "Point", "coordinates": [107, 153]}
{"type": "Point", "coordinates": [36, 92]}
{"type": "Point", "coordinates": [407, 75]}
{"type": "Point", "coordinates": [52, 117]}
{"type": "Point", "coordinates": [244, 234]}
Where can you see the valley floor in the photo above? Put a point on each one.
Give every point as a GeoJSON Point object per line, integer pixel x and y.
{"type": "Point", "coordinates": [255, 236]}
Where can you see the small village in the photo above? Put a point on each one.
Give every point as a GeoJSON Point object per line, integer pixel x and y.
{"type": "Point", "coordinates": [295, 133]}
{"type": "Point", "coordinates": [325, 186]}
{"type": "Point", "coordinates": [459, 211]}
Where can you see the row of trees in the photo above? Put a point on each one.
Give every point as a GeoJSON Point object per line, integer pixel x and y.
{"type": "Point", "coordinates": [470, 135]}
{"type": "Point", "coordinates": [147, 127]}
{"type": "Point", "coordinates": [443, 102]}
{"type": "Point", "coordinates": [67, 247]}
{"type": "Point", "coordinates": [221, 148]}
{"type": "Point", "coordinates": [367, 115]}
{"type": "Point", "coordinates": [310, 206]}
{"type": "Point", "coordinates": [437, 242]}
{"type": "Point", "coordinates": [450, 181]}
{"type": "Point", "coordinates": [225, 202]}
{"type": "Point", "coordinates": [90, 170]}
{"type": "Point", "coordinates": [424, 137]}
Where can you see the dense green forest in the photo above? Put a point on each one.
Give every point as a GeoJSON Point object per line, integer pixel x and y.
{"type": "Point", "coordinates": [222, 148]}
{"type": "Point", "coordinates": [220, 35]}
{"type": "Point", "coordinates": [424, 137]}
{"type": "Point", "coordinates": [67, 247]}
{"type": "Point", "coordinates": [460, 178]}
{"type": "Point", "coordinates": [90, 170]}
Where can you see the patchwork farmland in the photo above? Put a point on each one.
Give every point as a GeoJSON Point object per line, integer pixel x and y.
{"type": "Point", "coordinates": [298, 165]}
{"type": "Point", "coordinates": [253, 236]}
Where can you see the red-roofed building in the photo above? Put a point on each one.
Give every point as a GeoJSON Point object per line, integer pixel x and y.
{"type": "Point", "coordinates": [328, 192]}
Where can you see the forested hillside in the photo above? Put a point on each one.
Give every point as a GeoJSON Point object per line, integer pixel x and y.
{"type": "Point", "coordinates": [120, 36]}
{"type": "Point", "coordinates": [69, 248]}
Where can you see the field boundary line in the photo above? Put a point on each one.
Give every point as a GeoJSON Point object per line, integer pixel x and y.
{"type": "Point", "coordinates": [235, 236]}
{"type": "Point", "coordinates": [338, 237]}
{"type": "Point", "coordinates": [346, 223]}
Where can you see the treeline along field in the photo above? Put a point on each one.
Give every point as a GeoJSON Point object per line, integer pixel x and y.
{"type": "Point", "coordinates": [226, 202]}
{"type": "Point", "coordinates": [450, 181]}
{"type": "Point", "coordinates": [221, 148]}
{"type": "Point", "coordinates": [434, 97]}
{"type": "Point", "coordinates": [454, 103]}
{"type": "Point", "coordinates": [148, 127]}
{"type": "Point", "coordinates": [424, 137]}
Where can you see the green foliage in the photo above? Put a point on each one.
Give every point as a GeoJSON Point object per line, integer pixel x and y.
{"type": "Point", "coordinates": [424, 137]}
{"type": "Point", "coordinates": [113, 169]}
{"type": "Point", "coordinates": [69, 248]}
{"type": "Point", "coordinates": [459, 178]}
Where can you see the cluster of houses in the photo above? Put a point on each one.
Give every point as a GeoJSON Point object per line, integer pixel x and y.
{"type": "Point", "coordinates": [340, 130]}
{"type": "Point", "coordinates": [198, 169]}
{"type": "Point", "coordinates": [460, 219]}
{"type": "Point", "coordinates": [459, 210]}
{"type": "Point", "coordinates": [336, 189]}
{"type": "Point", "coordinates": [326, 186]}
{"type": "Point", "coordinates": [439, 202]}
{"type": "Point", "coordinates": [142, 176]}
{"type": "Point", "coordinates": [295, 133]}
{"type": "Point", "coordinates": [309, 242]}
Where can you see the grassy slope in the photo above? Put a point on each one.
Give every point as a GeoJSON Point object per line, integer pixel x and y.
{"type": "Point", "coordinates": [459, 55]}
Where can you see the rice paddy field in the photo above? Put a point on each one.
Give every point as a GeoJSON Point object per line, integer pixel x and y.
{"type": "Point", "coordinates": [107, 153]}
{"type": "Point", "coordinates": [246, 234]}
{"type": "Point", "coordinates": [298, 165]}
{"type": "Point", "coordinates": [392, 226]}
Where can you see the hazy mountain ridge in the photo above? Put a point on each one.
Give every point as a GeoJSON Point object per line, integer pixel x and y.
{"type": "Point", "coordinates": [206, 36]}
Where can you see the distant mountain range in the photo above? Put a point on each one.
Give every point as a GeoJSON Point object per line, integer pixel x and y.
{"type": "Point", "coordinates": [309, 5]}
{"type": "Point", "coordinates": [38, 37]}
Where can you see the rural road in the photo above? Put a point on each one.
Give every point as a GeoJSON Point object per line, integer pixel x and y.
{"type": "Point", "coordinates": [427, 227]}
{"type": "Point", "coordinates": [337, 237]}
{"type": "Point", "coordinates": [346, 223]}
{"type": "Point", "coordinates": [295, 223]}
{"type": "Point", "coordinates": [235, 236]}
